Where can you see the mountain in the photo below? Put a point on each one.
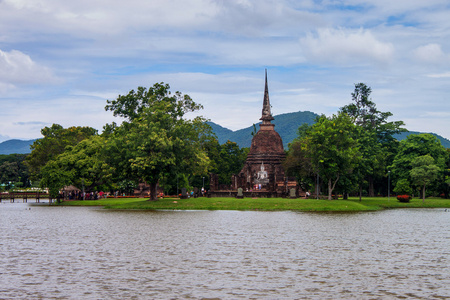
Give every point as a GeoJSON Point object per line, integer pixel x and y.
{"type": "Point", "coordinates": [287, 125]}
{"type": "Point", "coordinates": [16, 147]}
{"type": "Point", "coordinates": [401, 136]}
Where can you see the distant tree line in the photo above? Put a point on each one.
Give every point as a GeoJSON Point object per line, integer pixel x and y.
{"type": "Point", "coordinates": [13, 172]}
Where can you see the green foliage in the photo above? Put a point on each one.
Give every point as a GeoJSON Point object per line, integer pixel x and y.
{"type": "Point", "coordinates": [403, 135]}
{"type": "Point", "coordinates": [14, 170]}
{"type": "Point", "coordinates": [424, 171]}
{"type": "Point", "coordinates": [298, 163]}
{"type": "Point", "coordinates": [403, 187]}
{"type": "Point", "coordinates": [152, 100]}
{"type": "Point", "coordinates": [413, 147]}
{"type": "Point", "coordinates": [375, 138]}
{"type": "Point", "coordinates": [156, 140]}
{"type": "Point", "coordinates": [82, 165]}
{"type": "Point", "coordinates": [54, 178]}
{"type": "Point", "coordinates": [226, 159]}
{"type": "Point", "coordinates": [332, 148]}
{"type": "Point", "coordinates": [55, 141]}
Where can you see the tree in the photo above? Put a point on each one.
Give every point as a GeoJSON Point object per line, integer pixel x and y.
{"type": "Point", "coordinates": [14, 170]}
{"type": "Point", "coordinates": [403, 187]}
{"type": "Point", "coordinates": [54, 142]}
{"type": "Point", "coordinates": [414, 146]}
{"type": "Point", "coordinates": [132, 105]}
{"type": "Point", "coordinates": [54, 178]}
{"type": "Point", "coordinates": [82, 165]}
{"type": "Point", "coordinates": [332, 147]}
{"type": "Point", "coordinates": [156, 139]}
{"type": "Point", "coordinates": [298, 163]}
{"type": "Point", "coordinates": [446, 175]}
{"type": "Point", "coordinates": [226, 159]}
{"type": "Point", "coordinates": [376, 136]}
{"type": "Point", "coordinates": [424, 171]}
{"type": "Point", "coordinates": [411, 148]}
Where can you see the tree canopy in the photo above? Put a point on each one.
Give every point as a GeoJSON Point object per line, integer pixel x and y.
{"type": "Point", "coordinates": [424, 171]}
{"type": "Point", "coordinates": [409, 151]}
{"type": "Point", "coordinates": [55, 140]}
{"type": "Point", "coordinates": [375, 138]}
{"type": "Point", "coordinates": [329, 147]}
{"type": "Point", "coordinates": [156, 138]}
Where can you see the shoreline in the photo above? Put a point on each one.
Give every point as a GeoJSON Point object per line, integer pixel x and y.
{"type": "Point", "coordinates": [260, 204]}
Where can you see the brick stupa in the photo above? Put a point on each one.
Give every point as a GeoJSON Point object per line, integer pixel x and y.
{"type": "Point", "coordinates": [263, 168]}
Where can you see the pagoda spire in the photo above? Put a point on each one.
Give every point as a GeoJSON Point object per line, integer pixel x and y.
{"type": "Point", "coordinates": [266, 113]}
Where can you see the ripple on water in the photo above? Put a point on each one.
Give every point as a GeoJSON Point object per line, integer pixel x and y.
{"type": "Point", "coordinates": [72, 253]}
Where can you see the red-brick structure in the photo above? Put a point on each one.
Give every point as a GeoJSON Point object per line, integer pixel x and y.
{"type": "Point", "coordinates": [263, 173]}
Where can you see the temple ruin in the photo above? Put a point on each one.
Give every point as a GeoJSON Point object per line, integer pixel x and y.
{"type": "Point", "coordinates": [262, 174]}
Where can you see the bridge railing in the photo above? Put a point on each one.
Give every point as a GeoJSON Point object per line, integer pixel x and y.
{"type": "Point", "coordinates": [24, 196]}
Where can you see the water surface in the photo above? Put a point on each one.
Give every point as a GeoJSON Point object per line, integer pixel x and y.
{"type": "Point", "coordinates": [92, 253]}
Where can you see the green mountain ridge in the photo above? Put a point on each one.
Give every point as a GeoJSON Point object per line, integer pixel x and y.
{"type": "Point", "coordinates": [16, 146]}
{"type": "Point", "coordinates": [287, 127]}
{"type": "Point", "coordinates": [285, 124]}
{"type": "Point", "coordinates": [401, 136]}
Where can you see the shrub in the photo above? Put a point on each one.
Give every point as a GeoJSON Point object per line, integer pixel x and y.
{"type": "Point", "coordinates": [403, 187]}
{"type": "Point", "coordinates": [404, 198]}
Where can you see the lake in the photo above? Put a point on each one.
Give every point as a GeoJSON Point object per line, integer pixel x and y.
{"type": "Point", "coordinates": [92, 253]}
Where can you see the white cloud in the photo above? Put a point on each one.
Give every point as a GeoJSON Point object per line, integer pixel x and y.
{"type": "Point", "coordinates": [344, 46]}
{"type": "Point", "coordinates": [216, 51]}
{"type": "Point", "coordinates": [440, 75]}
{"type": "Point", "coordinates": [431, 53]}
{"type": "Point", "coordinates": [18, 68]}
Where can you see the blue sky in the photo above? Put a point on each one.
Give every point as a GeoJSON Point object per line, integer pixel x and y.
{"type": "Point", "coordinates": [61, 60]}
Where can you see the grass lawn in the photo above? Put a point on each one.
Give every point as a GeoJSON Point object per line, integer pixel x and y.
{"type": "Point", "coordinates": [263, 204]}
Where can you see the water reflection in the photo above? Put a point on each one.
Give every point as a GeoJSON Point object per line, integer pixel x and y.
{"type": "Point", "coordinates": [77, 252]}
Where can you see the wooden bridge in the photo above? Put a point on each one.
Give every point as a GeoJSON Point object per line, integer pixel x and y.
{"type": "Point", "coordinates": [24, 196]}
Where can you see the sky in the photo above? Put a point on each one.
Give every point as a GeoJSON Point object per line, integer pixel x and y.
{"type": "Point", "coordinates": [61, 60]}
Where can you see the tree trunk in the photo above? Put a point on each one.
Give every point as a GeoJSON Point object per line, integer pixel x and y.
{"type": "Point", "coordinates": [423, 194]}
{"type": "Point", "coordinates": [360, 192]}
{"type": "Point", "coordinates": [330, 190]}
{"type": "Point", "coordinates": [153, 191]}
{"type": "Point", "coordinates": [332, 186]}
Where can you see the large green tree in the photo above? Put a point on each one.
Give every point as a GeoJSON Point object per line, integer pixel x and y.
{"type": "Point", "coordinates": [55, 140]}
{"type": "Point", "coordinates": [156, 138]}
{"type": "Point", "coordinates": [414, 146]}
{"type": "Point", "coordinates": [83, 165]}
{"type": "Point", "coordinates": [376, 137]}
{"type": "Point", "coordinates": [423, 172]}
{"type": "Point", "coordinates": [332, 146]}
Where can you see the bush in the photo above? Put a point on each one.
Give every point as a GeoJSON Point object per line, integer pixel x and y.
{"type": "Point", "coordinates": [404, 198]}
{"type": "Point", "coordinates": [403, 187]}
